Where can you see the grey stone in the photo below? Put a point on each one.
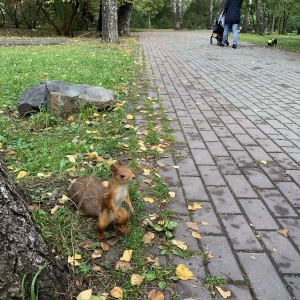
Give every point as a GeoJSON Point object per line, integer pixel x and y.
{"type": "Point", "coordinates": [63, 99]}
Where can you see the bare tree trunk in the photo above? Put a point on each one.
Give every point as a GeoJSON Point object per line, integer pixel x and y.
{"type": "Point", "coordinates": [23, 250]}
{"type": "Point", "coordinates": [211, 9]}
{"type": "Point", "coordinates": [259, 18]}
{"type": "Point", "coordinates": [110, 21]}
{"type": "Point", "coordinates": [99, 26]}
{"type": "Point", "coordinates": [246, 18]}
{"type": "Point", "coordinates": [177, 13]}
{"type": "Point", "coordinates": [124, 16]}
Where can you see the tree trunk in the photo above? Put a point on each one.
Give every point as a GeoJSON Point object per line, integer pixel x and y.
{"type": "Point", "coordinates": [211, 9]}
{"type": "Point", "coordinates": [259, 18]}
{"type": "Point", "coordinates": [110, 21]}
{"type": "Point", "coordinates": [246, 18]}
{"type": "Point", "coordinates": [99, 26]}
{"type": "Point", "coordinates": [176, 14]}
{"type": "Point", "coordinates": [23, 250]}
{"type": "Point", "coordinates": [124, 16]}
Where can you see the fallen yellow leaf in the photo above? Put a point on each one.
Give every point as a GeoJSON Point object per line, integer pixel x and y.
{"type": "Point", "coordinates": [54, 209]}
{"type": "Point", "coordinates": [184, 273]}
{"type": "Point", "coordinates": [283, 232]}
{"type": "Point", "coordinates": [156, 295]}
{"type": "Point", "coordinates": [264, 162]}
{"type": "Point", "coordinates": [63, 199]}
{"type": "Point", "coordinates": [117, 292]}
{"type": "Point", "coordinates": [129, 117]}
{"type": "Point", "coordinates": [123, 265]}
{"type": "Point", "coordinates": [147, 172]}
{"type": "Point", "coordinates": [224, 294]}
{"type": "Point", "coordinates": [148, 199]}
{"type": "Point", "coordinates": [192, 225]}
{"type": "Point", "coordinates": [93, 155]}
{"type": "Point", "coordinates": [126, 255]}
{"type": "Point", "coordinates": [104, 246]}
{"type": "Point", "coordinates": [149, 181]}
{"type": "Point", "coordinates": [85, 295]}
{"type": "Point", "coordinates": [72, 158]}
{"type": "Point", "coordinates": [179, 244]}
{"type": "Point", "coordinates": [136, 279]}
{"type": "Point", "coordinates": [148, 237]}
{"type": "Point", "coordinates": [194, 206]}
{"type": "Point", "coordinates": [172, 194]}
{"type": "Point", "coordinates": [196, 235]}
{"type": "Point", "coordinates": [96, 268]}
{"type": "Point", "coordinates": [73, 260]}
{"type": "Point", "coordinates": [204, 223]}
{"type": "Point", "coordinates": [21, 174]}
{"type": "Point", "coordinates": [97, 253]}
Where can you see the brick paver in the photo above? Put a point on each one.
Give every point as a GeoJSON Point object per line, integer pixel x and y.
{"type": "Point", "coordinates": [235, 115]}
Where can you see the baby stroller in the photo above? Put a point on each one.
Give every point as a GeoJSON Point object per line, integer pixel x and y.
{"type": "Point", "coordinates": [218, 30]}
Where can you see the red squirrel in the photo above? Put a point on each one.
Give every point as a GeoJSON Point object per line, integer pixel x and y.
{"type": "Point", "coordinates": [97, 199]}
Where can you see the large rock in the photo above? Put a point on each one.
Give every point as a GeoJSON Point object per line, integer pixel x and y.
{"type": "Point", "coordinates": [63, 99]}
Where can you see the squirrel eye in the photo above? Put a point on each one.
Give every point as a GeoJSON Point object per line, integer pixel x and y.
{"type": "Point", "coordinates": [122, 175]}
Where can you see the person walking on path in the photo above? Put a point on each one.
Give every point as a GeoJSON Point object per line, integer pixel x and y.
{"type": "Point", "coordinates": [232, 14]}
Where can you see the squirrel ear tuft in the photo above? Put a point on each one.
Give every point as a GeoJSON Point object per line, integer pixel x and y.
{"type": "Point", "coordinates": [113, 168]}
{"type": "Point", "coordinates": [120, 163]}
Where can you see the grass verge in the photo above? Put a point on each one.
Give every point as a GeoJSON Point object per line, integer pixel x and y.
{"type": "Point", "coordinates": [290, 42]}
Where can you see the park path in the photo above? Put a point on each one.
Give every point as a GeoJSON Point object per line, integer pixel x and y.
{"type": "Point", "coordinates": [236, 120]}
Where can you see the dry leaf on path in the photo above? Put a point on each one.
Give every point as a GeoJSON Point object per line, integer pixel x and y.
{"type": "Point", "coordinates": [126, 255]}
{"type": "Point", "coordinates": [85, 295]}
{"type": "Point", "coordinates": [112, 241]}
{"type": "Point", "coordinates": [148, 199]}
{"type": "Point", "coordinates": [117, 292]}
{"type": "Point", "coordinates": [172, 194]}
{"type": "Point", "coordinates": [204, 223]}
{"type": "Point", "coordinates": [283, 232]}
{"type": "Point", "coordinates": [184, 273]}
{"type": "Point", "coordinates": [194, 206]}
{"type": "Point", "coordinates": [179, 244]}
{"type": "Point", "coordinates": [224, 294]}
{"type": "Point", "coordinates": [54, 209]}
{"type": "Point", "coordinates": [123, 265]}
{"type": "Point", "coordinates": [196, 235]}
{"type": "Point", "coordinates": [156, 295]}
{"type": "Point", "coordinates": [129, 117]}
{"type": "Point", "coordinates": [21, 174]}
{"type": "Point", "coordinates": [264, 162]}
{"type": "Point", "coordinates": [136, 279]}
{"type": "Point", "coordinates": [73, 260]}
{"type": "Point", "coordinates": [148, 237]}
{"type": "Point", "coordinates": [96, 268]}
{"type": "Point", "coordinates": [192, 225]}
{"type": "Point", "coordinates": [97, 253]}
{"type": "Point", "coordinates": [104, 246]}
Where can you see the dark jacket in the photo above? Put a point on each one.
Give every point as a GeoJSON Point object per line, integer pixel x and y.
{"type": "Point", "coordinates": [233, 11]}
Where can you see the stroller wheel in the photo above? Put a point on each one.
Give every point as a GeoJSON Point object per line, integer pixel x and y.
{"type": "Point", "coordinates": [211, 41]}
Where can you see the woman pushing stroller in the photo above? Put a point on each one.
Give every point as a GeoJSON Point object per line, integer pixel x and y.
{"type": "Point", "coordinates": [232, 12]}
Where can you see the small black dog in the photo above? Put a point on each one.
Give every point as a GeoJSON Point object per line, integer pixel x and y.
{"type": "Point", "coordinates": [272, 42]}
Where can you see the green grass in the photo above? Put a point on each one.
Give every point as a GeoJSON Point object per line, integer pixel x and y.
{"type": "Point", "coordinates": [290, 42]}
{"type": "Point", "coordinates": [53, 151]}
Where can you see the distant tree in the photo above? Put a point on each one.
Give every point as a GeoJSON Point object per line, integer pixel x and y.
{"type": "Point", "coordinates": [10, 7]}
{"type": "Point", "coordinates": [177, 11]}
{"type": "Point", "coordinates": [30, 12]}
{"type": "Point", "coordinates": [246, 17]}
{"type": "Point", "coordinates": [61, 15]}
{"type": "Point", "coordinates": [259, 17]}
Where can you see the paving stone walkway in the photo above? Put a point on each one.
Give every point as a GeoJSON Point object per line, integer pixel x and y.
{"type": "Point", "coordinates": [236, 119]}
